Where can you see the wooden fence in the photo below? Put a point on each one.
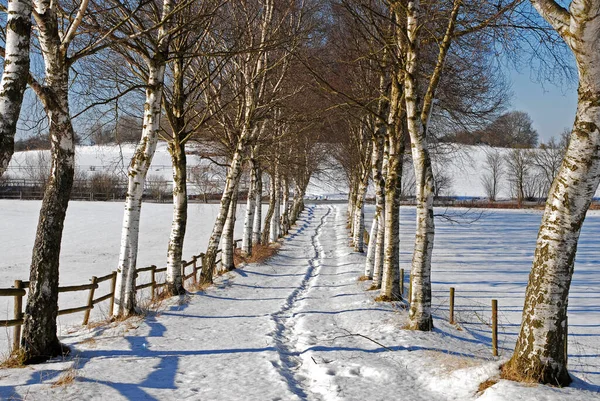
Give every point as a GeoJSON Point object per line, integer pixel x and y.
{"type": "Point", "coordinates": [19, 290]}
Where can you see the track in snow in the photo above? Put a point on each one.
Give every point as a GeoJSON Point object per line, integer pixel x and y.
{"type": "Point", "coordinates": [284, 318]}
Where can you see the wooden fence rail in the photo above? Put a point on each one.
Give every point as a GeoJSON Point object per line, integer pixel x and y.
{"type": "Point", "coordinates": [19, 290]}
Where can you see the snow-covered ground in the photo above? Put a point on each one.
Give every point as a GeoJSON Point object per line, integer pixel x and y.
{"type": "Point", "coordinates": [300, 326]}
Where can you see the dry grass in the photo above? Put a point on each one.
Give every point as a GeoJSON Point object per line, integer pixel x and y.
{"type": "Point", "coordinates": [14, 360]}
{"type": "Point", "coordinates": [485, 385]}
{"type": "Point", "coordinates": [67, 378]}
{"type": "Point", "coordinates": [90, 342]}
{"type": "Point", "coordinates": [451, 362]}
{"type": "Point", "coordinates": [199, 286]}
{"type": "Point", "coordinates": [260, 253]}
{"type": "Point", "coordinates": [385, 298]}
{"type": "Point", "coordinates": [373, 288]}
{"type": "Point", "coordinates": [364, 278]}
{"type": "Point", "coordinates": [509, 372]}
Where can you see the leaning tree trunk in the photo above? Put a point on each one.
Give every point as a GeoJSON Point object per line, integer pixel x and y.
{"type": "Point", "coordinates": [178, 226]}
{"type": "Point", "coordinates": [256, 232]}
{"type": "Point", "coordinates": [266, 233]}
{"type": "Point", "coordinates": [539, 353]}
{"type": "Point", "coordinates": [234, 174]}
{"type": "Point", "coordinates": [39, 342]}
{"type": "Point", "coordinates": [250, 210]}
{"type": "Point", "coordinates": [274, 230]}
{"type": "Point", "coordinates": [14, 75]}
{"type": "Point", "coordinates": [228, 232]}
{"type": "Point", "coordinates": [138, 169]}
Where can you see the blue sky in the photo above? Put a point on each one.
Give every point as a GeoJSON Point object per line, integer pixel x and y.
{"type": "Point", "coordinates": [550, 106]}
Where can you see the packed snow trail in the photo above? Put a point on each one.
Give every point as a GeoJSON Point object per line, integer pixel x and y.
{"type": "Point", "coordinates": [298, 327]}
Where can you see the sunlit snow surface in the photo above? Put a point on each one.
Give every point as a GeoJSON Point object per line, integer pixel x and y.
{"type": "Point", "coordinates": [300, 326]}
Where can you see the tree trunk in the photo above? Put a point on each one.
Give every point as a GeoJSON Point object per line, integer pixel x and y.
{"type": "Point", "coordinates": [266, 234]}
{"type": "Point", "coordinates": [380, 210]}
{"type": "Point", "coordinates": [39, 341]}
{"type": "Point", "coordinates": [370, 261]}
{"type": "Point", "coordinates": [274, 230]}
{"type": "Point", "coordinates": [539, 352]}
{"type": "Point", "coordinates": [359, 213]}
{"type": "Point", "coordinates": [256, 232]}
{"type": "Point", "coordinates": [14, 75]}
{"type": "Point", "coordinates": [352, 206]}
{"type": "Point", "coordinates": [285, 206]}
{"type": "Point", "coordinates": [390, 280]}
{"type": "Point", "coordinates": [297, 203]}
{"type": "Point", "coordinates": [228, 232]}
{"type": "Point", "coordinates": [234, 174]}
{"type": "Point", "coordinates": [138, 169]}
{"type": "Point", "coordinates": [418, 121]}
{"type": "Point", "coordinates": [178, 227]}
{"type": "Point", "coordinates": [250, 210]}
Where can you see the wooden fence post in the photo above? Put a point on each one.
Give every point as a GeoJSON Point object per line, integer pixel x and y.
{"type": "Point", "coordinates": [153, 278]}
{"type": "Point", "coordinates": [495, 327]}
{"type": "Point", "coordinates": [90, 304]}
{"type": "Point", "coordinates": [18, 315]}
{"type": "Point", "coordinates": [401, 282]}
{"type": "Point", "coordinates": [451, 318]}
{"type": "Point", "coordinates": [195, 261]}
{"type": "Point", "coordinates": [410, 287]}
{"type": "Point", "coordinates": [113, 288]}
{"type": "Point", "coordinates": [183, 263]}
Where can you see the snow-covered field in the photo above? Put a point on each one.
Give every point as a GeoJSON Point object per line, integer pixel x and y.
{"type": "Point", "coordinates": [463, 164]}
{"type": "Point", "coordinates": [300, 326]}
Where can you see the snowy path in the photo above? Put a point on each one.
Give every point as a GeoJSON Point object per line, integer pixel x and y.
{"type": "Point", "coordinates": [299, 327]}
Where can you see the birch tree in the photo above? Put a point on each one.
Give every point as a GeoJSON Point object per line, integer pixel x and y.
{"type": "Point", "coordinates": [39, 341]}
{"type": "Point", "coordinates": [191, 67]}
{"type": "Point", "coordinates": [14, 75]}
{"type": "Point", "coordinates": [539, 353]}
{"type": "Point", "coordinates": [155, 59]}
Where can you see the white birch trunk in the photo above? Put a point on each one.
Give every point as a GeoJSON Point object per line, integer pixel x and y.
{"type": "Point", "coordinates": [370, 262]}
{"type": "Point", "coordinates": [234, 174]}
{"type": "Point", "coordinates": [359, 213]}
{"type": "Point", "coordinates": [270, 211]}
{"type": "Point", "coordinates": [390, 278]}
{"type": "Point", "coordinates": [257, 231]}
{"type": "Point", "coordinates": [274, 230]}
{"type": "Point", "coordinates": [250, 210]}
{"type": "Point", "coordinates": [178, 226]}
{"type": "Point", "coordinates": [227, 240]}
{"type": "Point", "coordinates": [138, 169]}
{"type": "Point", "coordinates": [420, 303]}
{"type": "Point", "coordinates": [14, 75]}
{"type": "Point", "coordinates": [539, 353]}
{"type": "Point", "coordinates": [380, 211]}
